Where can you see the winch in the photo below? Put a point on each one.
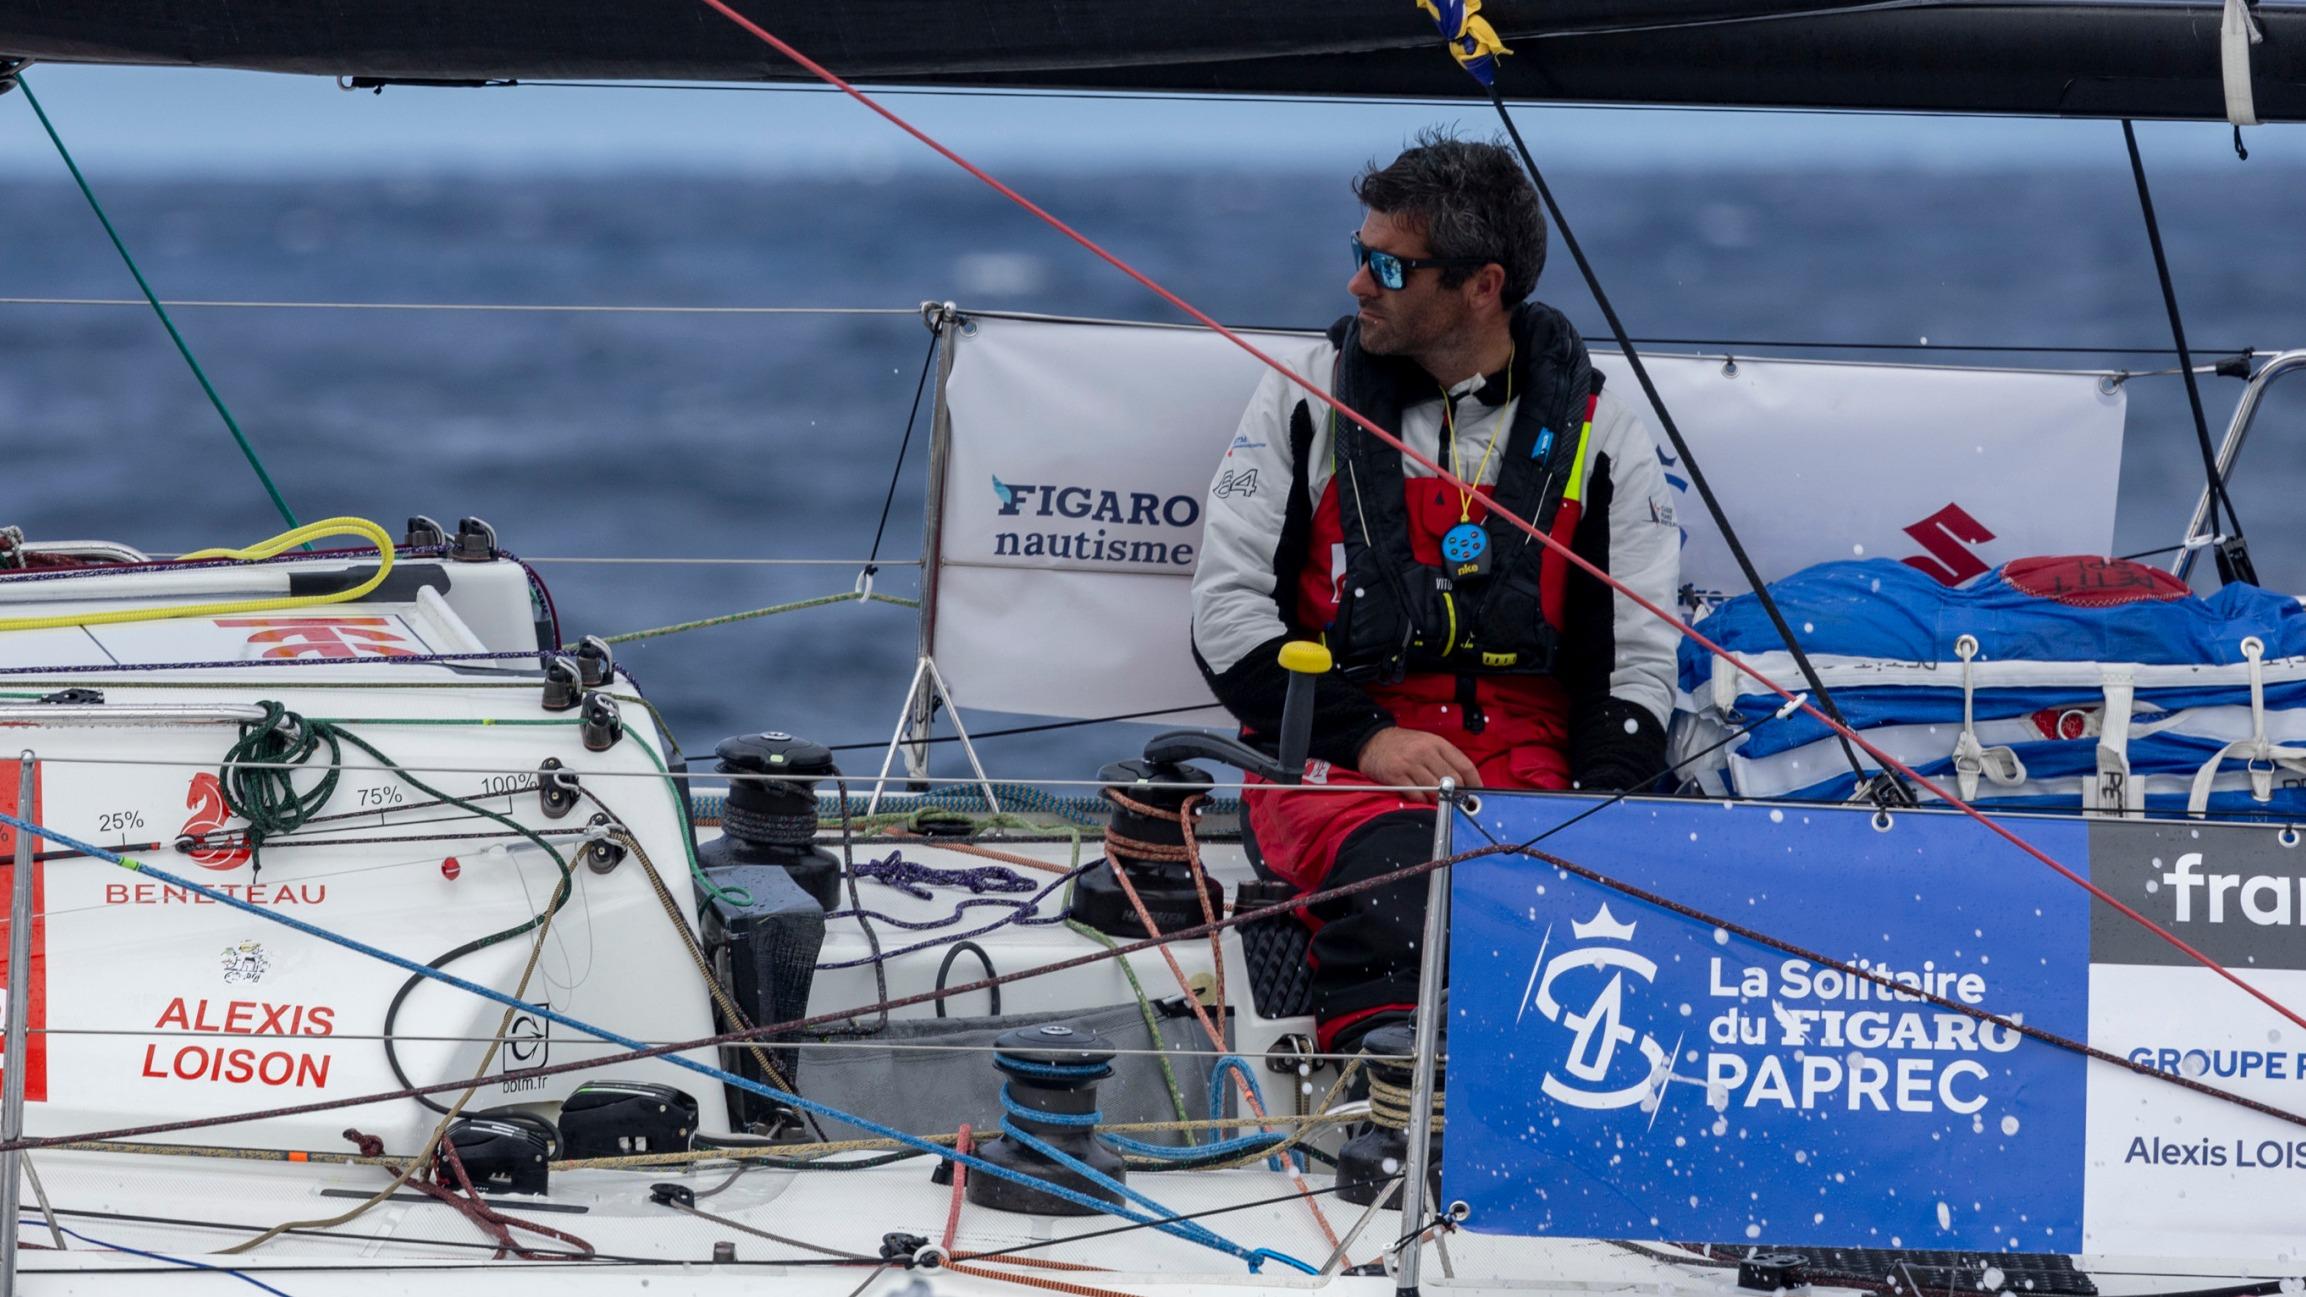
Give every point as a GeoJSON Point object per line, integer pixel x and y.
{"type": "Point", "coordinates": [1146, 839]}
{"type": "Point", "coordinates": [773, 821]}
{"type": "Point", "coordinates": [1050, 1101]}
{"type": "Point", "coordinates": [1372, 1161]}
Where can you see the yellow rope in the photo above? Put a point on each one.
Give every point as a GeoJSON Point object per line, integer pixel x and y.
{"type": "Point", "coordinates": [286, 540]}
{"type": "Point", "coordinates": [1390, 1105]}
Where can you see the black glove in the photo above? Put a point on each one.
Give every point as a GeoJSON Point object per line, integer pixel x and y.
{"type": "Point", "coordinates": [1616, 746]}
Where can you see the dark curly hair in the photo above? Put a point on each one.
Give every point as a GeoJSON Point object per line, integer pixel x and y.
{"type": "Point", "coordinates": [1471, 199]}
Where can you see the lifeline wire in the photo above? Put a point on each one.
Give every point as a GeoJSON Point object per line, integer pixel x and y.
{"type": "Point", "coordinates": [1237, 919]}
{"type": "Point", "coordinates": [1447, 478]}
{"type": "Point", "coordinates": [1717, 344]}
{"type": "Point", "coordinates": [1254, 1257]}
{"type": "Point", "coordinates": [247, 451]}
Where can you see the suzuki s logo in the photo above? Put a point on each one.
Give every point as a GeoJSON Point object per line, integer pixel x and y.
{"type": "Point", "coordinates": [1947, 535]}
{"type": "Point", "coordinates": [1593, 974]}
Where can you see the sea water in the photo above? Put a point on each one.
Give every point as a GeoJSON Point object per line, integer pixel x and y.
{"type": "Point", "coordinates": [722, 436]}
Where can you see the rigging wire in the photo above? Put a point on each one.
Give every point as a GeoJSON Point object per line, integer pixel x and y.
{"type": "Point", "coordinates": [2233, 554]}
{"type": "Point", "coordinates": [897, 467]}
{"type": "Point", "coordinates": [1886, 789]}
{"type": "Point", "coordinates": [183, 348]}
{"type": "Point", "coordinates": [1567, 553]}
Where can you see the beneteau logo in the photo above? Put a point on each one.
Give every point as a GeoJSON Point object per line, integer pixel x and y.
{"type": "Point", "coordinates": [1090, 506]}
{"type": "Point", "coordinates": [205, 799]}
{"type": "Point", "coordinates": [1598, 1031]}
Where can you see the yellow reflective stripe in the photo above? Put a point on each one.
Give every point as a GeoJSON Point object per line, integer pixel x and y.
{"type": "Point", "coordinates": [1449, 645]}
{"type": "Point", "coordinates": [1576, 488]}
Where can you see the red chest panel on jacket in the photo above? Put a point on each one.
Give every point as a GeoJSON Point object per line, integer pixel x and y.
{"type": "Point", "coordinates": [1433, 509]}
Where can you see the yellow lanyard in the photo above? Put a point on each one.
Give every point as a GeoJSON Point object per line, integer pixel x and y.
{"type": "Point", "coordinates": [1449, 422]}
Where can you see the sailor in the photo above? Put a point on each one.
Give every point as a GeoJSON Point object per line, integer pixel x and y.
{"type": "Point", "coordinates": [1462, 647]}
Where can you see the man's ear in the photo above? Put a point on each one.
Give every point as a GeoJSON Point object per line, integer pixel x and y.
{"type": "Point", "coordinates": [1488, 282]}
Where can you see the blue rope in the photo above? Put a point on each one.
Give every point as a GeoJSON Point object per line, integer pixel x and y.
{"type": "Point", "coordinates": [241, 1275]}
{"type": "Point", "coordinates": [1234, 1063]}
{"type": "Point", "coordinates": [1192, 1152]}
{"type": "Point", "coordinates": [1053, 1071]}
{"type": "Point", "coordinates": [1194, 1232]}
{"type": "Point", "coordinates": [1122, 1143]}
{"type": "Point", "coordinates": [1010, 1105]}
{"type": "Point", "coordinates": [1254, 1258]}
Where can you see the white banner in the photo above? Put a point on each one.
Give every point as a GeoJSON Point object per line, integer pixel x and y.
{"type": "Point", "coordinates": [1079, 455]}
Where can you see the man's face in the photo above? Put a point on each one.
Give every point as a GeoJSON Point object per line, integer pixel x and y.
{"type": "Point", "coordinates": [1411, 320]}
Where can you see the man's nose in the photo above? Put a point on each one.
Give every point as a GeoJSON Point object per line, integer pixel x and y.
{"type": "Point", "coordinates": [1362, 285]}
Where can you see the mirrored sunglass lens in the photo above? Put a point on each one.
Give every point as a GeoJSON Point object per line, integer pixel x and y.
{"type": "Point", "coordinates": [1387, 268]}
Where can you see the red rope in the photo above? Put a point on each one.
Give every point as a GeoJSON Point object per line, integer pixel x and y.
{"type": "Point", "coordinates": [962, 1144]}
{"type": "Point", "coordinates": [1887, 761]}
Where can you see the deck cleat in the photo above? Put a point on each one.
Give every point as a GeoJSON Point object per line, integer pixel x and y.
{"type": "Point", "coordinates": [424, 533]}
{"type": "Point", "coordinates": [596, 662]}
{"type": "Point", "coordinates": [498, 1155]}
{"type": "Point", "coordinates": [603, 723]}
{"type": "Point", "coordinates": [625, 1118]}
{"type": "Point", "coordinates": [475, 542]}
{"type": "Point", "coordinates": [563, 684]}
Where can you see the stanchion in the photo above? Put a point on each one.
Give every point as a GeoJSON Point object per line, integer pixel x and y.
{"type": "Point", "coordinates": [1432, 970]}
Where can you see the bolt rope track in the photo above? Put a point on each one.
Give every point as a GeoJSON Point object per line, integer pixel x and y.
{"type": "Point", "coordinates": [1843, 731]}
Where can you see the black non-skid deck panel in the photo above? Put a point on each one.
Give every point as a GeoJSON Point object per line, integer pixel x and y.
{"type": "Point", "coordinates": [2027, 1274]}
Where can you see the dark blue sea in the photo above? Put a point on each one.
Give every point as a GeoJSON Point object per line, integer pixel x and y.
{"type": "Point", "coordinates": [591, 435]}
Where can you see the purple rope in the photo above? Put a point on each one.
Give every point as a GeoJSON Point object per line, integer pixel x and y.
{"type": "Point", "coordinates": [914, 880]}
{"type": "Point", "coordinates": [1022, 914]}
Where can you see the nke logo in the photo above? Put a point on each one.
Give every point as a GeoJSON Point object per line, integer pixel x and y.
{"type": "Point", "coordinates": [1598, 1030]}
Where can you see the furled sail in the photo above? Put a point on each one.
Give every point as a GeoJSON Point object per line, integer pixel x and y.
{"type": "Point", "coordinates": [2105, 58]}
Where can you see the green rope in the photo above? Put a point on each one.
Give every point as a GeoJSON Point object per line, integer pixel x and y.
{"type": "Point", "coordinates": [1144, 1009]}
{"type": "Point", "coordinates": [182, 348]}
{"type": "Point", "coordinates": [845, 596]}
{"type": "Point", "coordinates": [736, 897]}
{"type": "Point", "coordinates": [260, 788]}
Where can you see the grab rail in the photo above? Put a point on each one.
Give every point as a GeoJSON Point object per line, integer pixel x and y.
{"type": "Point", "coordinates": [2237, 432]}
{"type": "Point", "coordinates": [93, 714]}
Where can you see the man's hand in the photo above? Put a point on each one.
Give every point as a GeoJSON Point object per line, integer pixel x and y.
{"type": "Point", "coordinates": [1401, 756]}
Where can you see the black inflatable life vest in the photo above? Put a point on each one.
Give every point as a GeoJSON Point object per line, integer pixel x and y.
{"type": "Point", "coordinates": [1396, 615]}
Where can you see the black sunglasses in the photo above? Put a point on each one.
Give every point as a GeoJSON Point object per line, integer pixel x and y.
{"type": "Point", "coordinates": [1391, 271]}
